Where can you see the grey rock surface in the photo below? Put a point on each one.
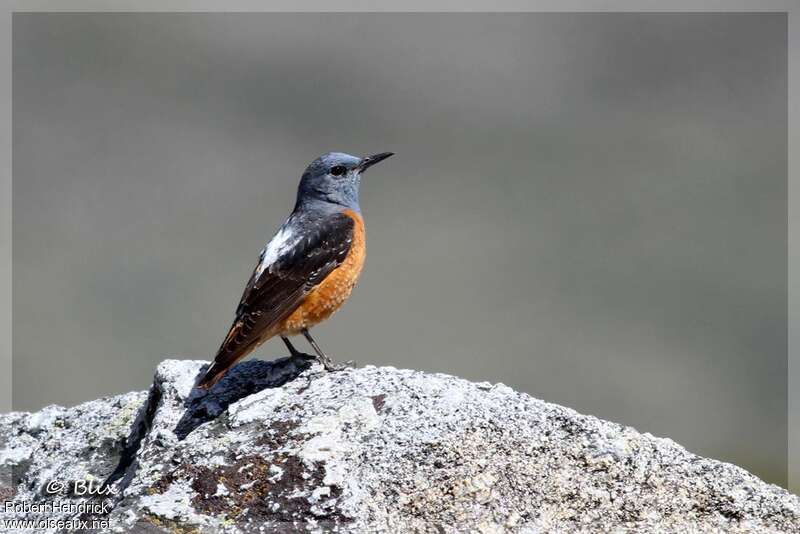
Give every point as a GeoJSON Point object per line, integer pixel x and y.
{"type": "Point", "coordinates": [285, 447]}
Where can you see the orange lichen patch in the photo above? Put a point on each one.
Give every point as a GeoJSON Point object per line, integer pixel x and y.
{"type": "Point", "coordinates": [331, 293]}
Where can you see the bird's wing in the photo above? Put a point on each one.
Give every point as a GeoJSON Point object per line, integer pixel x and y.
{"type": "Point", "coordinates": [291, 265]}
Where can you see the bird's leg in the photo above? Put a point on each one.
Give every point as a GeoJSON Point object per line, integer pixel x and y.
{"type": "Point", "coordinates": [323, 358]}
{"type": "Point", "coordinates": [293, 351]}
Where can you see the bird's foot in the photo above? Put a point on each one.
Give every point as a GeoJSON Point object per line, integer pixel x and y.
{"type": "Point", "coordinates": [303, 356]}
{"type": "Point", "coordinates": [297, 355]}
{"type": "Point", "coordinates": [331, 367]}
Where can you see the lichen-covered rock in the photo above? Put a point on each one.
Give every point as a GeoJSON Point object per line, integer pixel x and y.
{"type": "Point", "coordinates": [286, 447]}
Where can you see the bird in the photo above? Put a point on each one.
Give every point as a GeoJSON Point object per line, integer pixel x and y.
{"type": "Point", "coordinates": [309, 267]}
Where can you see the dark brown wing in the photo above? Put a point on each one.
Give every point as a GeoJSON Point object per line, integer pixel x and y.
{"type": "Point", "coordinates": [275, 291]}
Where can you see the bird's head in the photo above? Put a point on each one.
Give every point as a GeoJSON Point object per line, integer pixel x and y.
{"type": "Point", "coordinates": [334, 178]}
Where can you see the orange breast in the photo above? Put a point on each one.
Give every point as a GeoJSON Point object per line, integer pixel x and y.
{"type": "Point", "coordinates": [331, 293]}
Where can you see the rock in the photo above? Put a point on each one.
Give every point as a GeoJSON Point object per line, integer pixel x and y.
{"type": "Point", "coordinates": [285, 447]}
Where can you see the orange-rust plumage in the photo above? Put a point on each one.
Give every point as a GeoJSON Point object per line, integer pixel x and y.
{"type": "Point", "coordinates": [309, 267]}
{"type": "Point", "coordinates": [331, 293]}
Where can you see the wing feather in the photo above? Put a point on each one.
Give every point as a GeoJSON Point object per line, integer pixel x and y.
{"type": "Point", "coordinates": [275, 290]}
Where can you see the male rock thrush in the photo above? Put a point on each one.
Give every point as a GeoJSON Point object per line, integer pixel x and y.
{"type": "Point", "coordinates": [308, 269]}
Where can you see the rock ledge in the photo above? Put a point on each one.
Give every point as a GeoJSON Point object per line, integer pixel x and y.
{"type": "Point", "coordinates": [284, 447]}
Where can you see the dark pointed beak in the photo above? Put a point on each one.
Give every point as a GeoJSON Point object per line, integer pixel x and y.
{"type": "Point", "coordinates": [369, 161]}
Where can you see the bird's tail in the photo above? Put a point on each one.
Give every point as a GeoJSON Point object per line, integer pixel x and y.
{"type": "Point", "coordinates": [222, 363]}
{"type": "Point", "coordinates": [213, 375]}
{"type": "Point", "coordinates": [229, 353]}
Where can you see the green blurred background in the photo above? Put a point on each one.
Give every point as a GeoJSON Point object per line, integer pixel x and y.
{"type": "Point", "coordinates": [590, 208]}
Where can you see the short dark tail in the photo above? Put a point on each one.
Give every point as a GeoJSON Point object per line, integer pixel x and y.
{"type": "Point", "coordinates": [213, 375]}
{"type": "Point", "coordinates": [225, 359]}
{"type": "Point", "coordinates": [236, 345]}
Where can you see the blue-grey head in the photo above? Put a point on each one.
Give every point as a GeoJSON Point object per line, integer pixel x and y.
{"type": "Point", "coordinates": [333, 179]}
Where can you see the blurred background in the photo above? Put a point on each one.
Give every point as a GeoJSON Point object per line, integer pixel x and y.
{"type": "Point", "coordinates": [590, 208]}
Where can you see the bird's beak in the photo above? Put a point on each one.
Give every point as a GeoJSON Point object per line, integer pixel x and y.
{"type": "Point", "coordinates": [369, 161]}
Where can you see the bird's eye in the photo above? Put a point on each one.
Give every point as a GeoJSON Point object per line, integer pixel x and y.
{"type": "Point", "coordinates": [338, 170]}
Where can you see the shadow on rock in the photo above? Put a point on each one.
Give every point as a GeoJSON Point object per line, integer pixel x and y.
{"type": "Point", "coordinates": [203, 406]}
{"type": "Point", "coordinates": [242, 380]}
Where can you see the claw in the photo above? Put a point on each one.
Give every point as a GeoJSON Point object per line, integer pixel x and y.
{"type": "Point", "coordinates": [332, 367]}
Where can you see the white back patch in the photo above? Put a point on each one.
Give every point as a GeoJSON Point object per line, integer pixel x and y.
{"type": "Point", "coordinates": [283, 240]}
